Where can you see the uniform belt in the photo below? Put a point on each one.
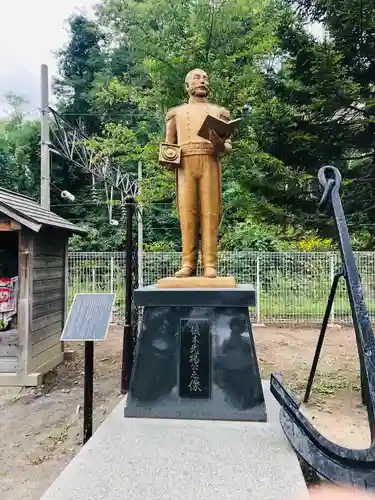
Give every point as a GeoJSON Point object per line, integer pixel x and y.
{"type": "Point", "coordinates": [197, 148]}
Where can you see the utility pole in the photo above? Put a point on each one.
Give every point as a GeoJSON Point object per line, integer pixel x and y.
{"type": "Point", "coordinates": [45, 162]}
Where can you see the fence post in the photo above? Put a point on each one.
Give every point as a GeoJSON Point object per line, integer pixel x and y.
{"type": "Point", "coordinates": [258, 290]}
{"type": "Point", "coordinates": [140, 230]}
{"type": "Point", "coordinates": [332, 273]}
{"type": "Point", "coordinates": [112, 273]}
{"type": "Point", "coordinates": [93, 280]}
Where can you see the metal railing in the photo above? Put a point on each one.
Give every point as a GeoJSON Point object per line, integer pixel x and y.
{"type": "Point", "coordinates": [292, 287]}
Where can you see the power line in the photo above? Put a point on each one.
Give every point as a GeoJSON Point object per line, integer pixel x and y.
{"type": "Point", "coordinates": [70, 143]}
{"type": "Point", "coordinates": [102, 115]}
{"type": "Point", "coordinates": [129, 112]}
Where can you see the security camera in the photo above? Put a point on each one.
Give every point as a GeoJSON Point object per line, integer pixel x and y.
{"type": "Point", "coordinates": [65, 195]}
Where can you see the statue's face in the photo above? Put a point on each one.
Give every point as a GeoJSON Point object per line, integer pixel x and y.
{"type": "Point", "coordinates": [197, 83]}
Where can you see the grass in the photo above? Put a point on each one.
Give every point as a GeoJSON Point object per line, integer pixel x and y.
{"type": "Point", "coordinates": [332, 384]}
{"type": "Point", "coordinates": [272, 307]}
{"type": "Point", "coordinates": [299, 300]}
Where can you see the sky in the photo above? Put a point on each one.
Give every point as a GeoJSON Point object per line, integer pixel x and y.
{"type": "Point", "coordinates": [30, 32]}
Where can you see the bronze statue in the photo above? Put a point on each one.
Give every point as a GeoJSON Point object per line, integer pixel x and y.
{"type": "Point", "coordinates": [198, 173]}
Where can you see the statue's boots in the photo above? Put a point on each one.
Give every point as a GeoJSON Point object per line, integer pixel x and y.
{"type": "Point", "coordinates": [209, 272]}
{"type": "Point", "coordinates": [185, 272]}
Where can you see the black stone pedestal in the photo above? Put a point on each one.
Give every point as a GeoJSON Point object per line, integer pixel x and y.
{"type": "Point", "coordinates": [195, 356]}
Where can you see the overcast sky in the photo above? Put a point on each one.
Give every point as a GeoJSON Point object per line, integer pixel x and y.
{"type": "Point", "coordinates": [30, 31]}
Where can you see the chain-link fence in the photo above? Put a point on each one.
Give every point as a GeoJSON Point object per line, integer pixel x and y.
{"type": "Point", "coordinates": [291, 287]}
{"type": "Point", "coordinates": [98, 272]}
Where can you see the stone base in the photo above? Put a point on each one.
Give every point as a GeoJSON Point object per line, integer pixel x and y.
{"type": "Point", "coordinates": [195, 357]}
{"type": "Point", "coordinates": [241, 296]}
{"type": "Point", "coordinates": [197, 282]}
{"type": "Point", "coordinates": [33, 379]}
{"type": "Point", "coordinates": [20, 380]}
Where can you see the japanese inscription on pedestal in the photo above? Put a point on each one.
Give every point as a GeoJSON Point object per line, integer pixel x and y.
{"type": "Point", "coordinates": [195, 359]}
{"type": "Point", "coordinates": [194, 384]}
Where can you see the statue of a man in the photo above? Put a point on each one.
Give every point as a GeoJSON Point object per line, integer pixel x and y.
{"type": "Point", "coordinates": [198, 177]}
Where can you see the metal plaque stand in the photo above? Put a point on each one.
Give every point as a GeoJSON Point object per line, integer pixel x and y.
{"type": "Point", "coordinates": [88, 391]}
{"type": "Point", "coordinates": [88, 321]}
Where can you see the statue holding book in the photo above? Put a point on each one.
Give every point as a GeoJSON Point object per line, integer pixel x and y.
{"type": "Point", "coordinates": [197, 134]}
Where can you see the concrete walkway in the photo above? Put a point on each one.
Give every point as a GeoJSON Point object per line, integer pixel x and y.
{"type": "Point", "coordinates": [152, 459]}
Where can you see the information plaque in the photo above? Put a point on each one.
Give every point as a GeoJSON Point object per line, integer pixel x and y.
{"type": "Point", "coordinates": [195, 359]}
{"type": "Point", "coordinates": [89, 317]}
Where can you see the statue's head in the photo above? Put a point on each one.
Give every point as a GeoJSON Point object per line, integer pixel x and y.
{"type": "Point", "coordinates": [196, 83]}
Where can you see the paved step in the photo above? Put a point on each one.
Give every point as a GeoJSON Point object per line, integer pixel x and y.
{"type": "Point", "coordinates": [156, 459]}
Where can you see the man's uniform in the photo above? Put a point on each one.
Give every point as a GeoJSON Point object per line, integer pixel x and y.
{"type": "Point", "coordinates": [198, 181]}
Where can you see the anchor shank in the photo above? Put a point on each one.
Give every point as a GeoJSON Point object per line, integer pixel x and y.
{"type": "Point", "coordinates": [360, 315]}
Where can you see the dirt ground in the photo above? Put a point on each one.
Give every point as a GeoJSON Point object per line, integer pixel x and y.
{"type": "Point", "coordinates": [41, 429]}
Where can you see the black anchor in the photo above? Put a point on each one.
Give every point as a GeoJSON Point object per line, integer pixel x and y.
{"type": "Point", "coordinates": [336, 463]}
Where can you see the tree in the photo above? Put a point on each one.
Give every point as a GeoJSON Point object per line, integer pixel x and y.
{"type": "Point", "coordinates": [19, 149]}
{"type": "Point", "coordinates": [79, 63]}
{"type": "Point", "coordinates": [320, 111]}
{"type": "Point", "coordinates": [304, 103]}
{"type": "Point", "coordinates": [234, 41]}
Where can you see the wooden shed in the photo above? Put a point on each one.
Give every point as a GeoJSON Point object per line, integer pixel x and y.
{"type": "Point", "coordinates": [33, 288]}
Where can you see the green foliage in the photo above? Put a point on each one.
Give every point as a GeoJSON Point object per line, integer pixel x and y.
{"type": "Point", "coordinates": [19, 149]}
{"type": "Point", "coordinates": [322, 112]}
{"type": "Point", "coordinates": [249, 235]}
{"type": "Point", "coordinates": [100, 238]}
{"type": "Point", "coordinates": [160, 246]}
{"type": "Point", "coordinates": [314, 244]}
{"type": "Point", "coordinates": [299, 92]}
{"type": "Point", "coordinates": [304, 102]}
{"type": "Point", "coordinates": [235, 42]}
{"type": "Point", "coordinates": [79, 63]}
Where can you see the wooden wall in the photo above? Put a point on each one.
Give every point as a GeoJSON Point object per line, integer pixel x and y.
{"type": "Point", "coordinates": [49, 297]}
{"type": "Point", "coordinates": [10, 351]}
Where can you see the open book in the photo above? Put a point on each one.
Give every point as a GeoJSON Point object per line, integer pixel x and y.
{"type": "Point", "coordinates": [223, 128]}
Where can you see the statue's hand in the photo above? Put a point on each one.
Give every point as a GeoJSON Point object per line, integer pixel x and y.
{"type": "Point", "coordinates": [217, 141]}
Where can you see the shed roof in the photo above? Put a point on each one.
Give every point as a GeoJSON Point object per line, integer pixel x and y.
{"type": "Point", "coordinates": [29, 213]}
